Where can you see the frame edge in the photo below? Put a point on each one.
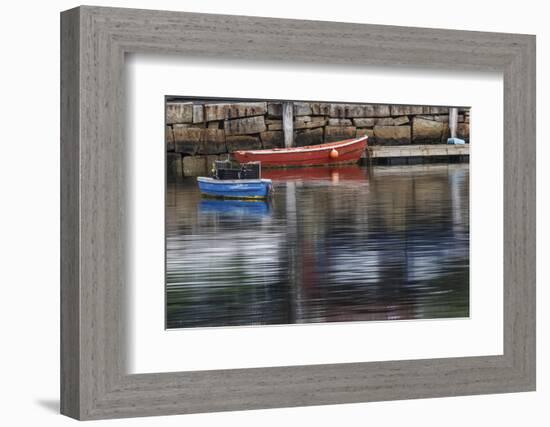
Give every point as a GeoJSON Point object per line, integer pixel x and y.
{"type": "Point", "coordinates": [70, 388]}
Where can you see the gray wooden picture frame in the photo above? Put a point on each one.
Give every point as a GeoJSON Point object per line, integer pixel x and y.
{"type": "Point", "coordinates": [94, 382]}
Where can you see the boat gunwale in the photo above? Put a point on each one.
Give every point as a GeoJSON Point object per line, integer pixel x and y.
{"type": "Point", "coordinates": [233, 181]}
{"type": "Point", "coordinates": [305, 149]}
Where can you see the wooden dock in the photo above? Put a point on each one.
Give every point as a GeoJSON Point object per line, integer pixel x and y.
{"type": "Point", "coordinates": [404, 154]}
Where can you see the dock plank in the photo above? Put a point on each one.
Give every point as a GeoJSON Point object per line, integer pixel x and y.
{"type": "Point", "coordinates": [377, 151]}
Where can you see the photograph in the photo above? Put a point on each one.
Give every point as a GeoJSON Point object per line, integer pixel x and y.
{"type": "Point", "coordinates": [282, 212]}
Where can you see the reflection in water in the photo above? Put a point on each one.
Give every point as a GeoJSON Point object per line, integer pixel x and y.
{"type": "Point", "coordinates": [345, 244]}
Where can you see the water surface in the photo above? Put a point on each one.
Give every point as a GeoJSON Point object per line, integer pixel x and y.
{"type": "Point", "coordinates": [333, 245]}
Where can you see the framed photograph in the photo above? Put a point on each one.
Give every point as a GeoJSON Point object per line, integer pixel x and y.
{"type": "Point", "coordinates": [262, 213]}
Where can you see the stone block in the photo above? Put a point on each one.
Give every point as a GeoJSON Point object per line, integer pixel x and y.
{"type": "Point", "coordinates": [427, 131]}
{"type": "Point", "coordinates": [364, 122]}
{"type": "Point", "coordinates": [233, 110]}
{"type": "Point", "coordinates": [179, 112]}
{"type": "Point", "coordinates": [337, 133]}
{"type": "Point", "coordinates": [194, 166]}
{"type": "Point", "coordinates": [463, 131]}
{"type": "Point", "coordinates": [320, 108]}
{"type": "Point", "coordinates": [274, 109]}
{"type": "Point", "coordinates": [273, 124]}
{"type": "Point", "coordinates": [272, 139]}
{"type": "Point", "coordinates": [215, 125]}
{"type": "Point", "coordinates": [186, 139]}
{"type": "Point", "coordinates": [174, 164]}
{"type": "Point", "coordinates": [302, 109]}
{"type": "Point", "coordinates": [404, 110]}
{"type": "Point", "coordinates": [307, 122]}
{"type": "Point", "coordinates": [340, 122]}
{"type": "Point", "coordinates": [439, 110]}
{"type": "Point", "coordinates": [169, 138]}
{"type": "Point", "coordinates": [212, 141]}
{"type": "Point", "coordinates": [245, 126]}
{"type": "Point", "coordinates": [398, 121]}
{"type": "Point", "coordinates": [242, 142]}
{"type": "Point", "coordinates": [385, 121]}
{"type": "Point", "coordinates": [308, 137]}
{"type": "Point", "coordinates": [199, 140]}
{"type": "Point", "coordinates": [369, 132]}
{"type": "Point", "coordinates": [392, 135]}
{"type": "Point", "coordinates": [359, 110]}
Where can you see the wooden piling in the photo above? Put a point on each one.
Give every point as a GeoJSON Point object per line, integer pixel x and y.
{"type": "Point", "coordinates": [453, 121]}
{"type": "Point", "coordinates": [288, 123]}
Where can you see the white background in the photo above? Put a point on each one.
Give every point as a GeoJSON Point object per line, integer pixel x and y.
{"type": "Point", "coordinates": [153, 349]}
{"type": "Point", "coordinates": [29, 233]}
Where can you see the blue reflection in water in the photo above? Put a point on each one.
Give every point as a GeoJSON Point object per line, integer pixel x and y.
{"type": "Point", "coordinates": [234, 207]}
{"type": "Point", "coordinates": [346, 244]}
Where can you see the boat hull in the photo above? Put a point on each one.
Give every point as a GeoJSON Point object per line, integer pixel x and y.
{"type": "Point", "coordinates": [332, 153]}
{"type": "Point", "coordinates": [235, 188]}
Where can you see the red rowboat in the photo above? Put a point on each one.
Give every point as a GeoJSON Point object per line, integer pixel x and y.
{"type": "Point", "coordinates": [346, 151]}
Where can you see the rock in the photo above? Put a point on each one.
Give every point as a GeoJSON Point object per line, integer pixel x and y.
{"type": "Point", "coordinates": [439, 110]}
{"type": "Point", "coordinates": [275, 126]}
{"type": "Point", "coordinates": [427, 131]}
{"type": "Point", "coordinates": [245, 126]}
{"type": "Point", "coordinates": [463, 131]}
{"type": "Point", "coordinates": [199, 140]}
{"type": "Point", "coordinates": [301, 120]}
{"type": "Point", "coordinates": [272, 139]}
{"type": "Point", "coordinates": [364, 123]}
{"type": "Point", "coordinates": [215, 125]}
{"type": "Point", "coordinates": [398, 121]}
{"type": "Point", "coordinates": [385, 121]}
{"type": "Point", "coordinates": [337, 133]}
{"type": "Point", "coordinates": [340, 122]}
{"type": "Point", "coordinates": [274, 110]}
{"type": "Point", "coordinates": [169, 137]}
{"type": "Point", "coordinates": [234, 110]}
{"type": "Point", "coordinates": [174, 164]}
{"type": "Point", "coordinates": [320, 108]}
{"type": "Point", "coordinates": [179, 112]}
{"type": "Point", "coordinates": [212, 141]}
{"type": "Point", "coordinates": [194, 165]}
{"type": "Point", "coordinates": [308, 137]}
{"type": "Point", "coordinates": [302, 109]}
{"type": "Point", "coordinates": [404, 110]}
{"type": "Point", "coordinates": [198, 114]}
{"type": "Point", "coordinates": [358, 110]}
{"type": "Point", "coordinates": [306, 122]}
{"type": "Point", "coordinates": [445, 133]}
{"type": "Point", "coordinates": [392, 135]}
{"type": "Point", "coordinates": [242, 142]}
{"type": "Point", "coordinates": [186, 139]}
{"type": "Point", "coordinates": [368, 132]}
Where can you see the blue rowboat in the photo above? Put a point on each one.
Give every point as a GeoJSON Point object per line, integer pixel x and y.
{"type": "Point", "coordinates": [235, 188]}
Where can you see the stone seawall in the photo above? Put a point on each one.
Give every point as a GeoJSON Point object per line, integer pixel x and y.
{"type": "Point", "coordinates": [199, 132]}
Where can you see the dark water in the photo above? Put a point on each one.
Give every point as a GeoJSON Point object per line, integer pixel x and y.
{"type": "Point", "coordinates": [333, 245]}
